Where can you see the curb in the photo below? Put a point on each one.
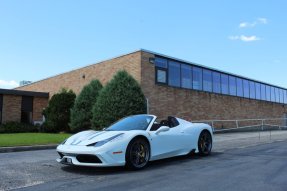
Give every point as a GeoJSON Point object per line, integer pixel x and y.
{"type": "Point", "coordinates": [26, 148]}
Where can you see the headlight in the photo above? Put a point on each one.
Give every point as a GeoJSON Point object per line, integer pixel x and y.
{"type": "Point", "coordinates": [101, 143]}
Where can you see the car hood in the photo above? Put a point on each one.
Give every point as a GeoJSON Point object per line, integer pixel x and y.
{"type": "Point", "coordinates": [89, 137]}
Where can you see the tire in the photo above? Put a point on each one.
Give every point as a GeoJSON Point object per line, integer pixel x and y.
{"type": "Point", "coordinates": [204, 143]}
{"type": "Point", "coordinates": [137, 154]}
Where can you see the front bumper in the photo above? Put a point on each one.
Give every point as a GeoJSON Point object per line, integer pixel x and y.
{"type": "Point", "coordinates": [90, 156]}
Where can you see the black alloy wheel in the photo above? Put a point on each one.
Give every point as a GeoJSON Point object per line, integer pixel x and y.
{"type": "Point", "coordinates": [138, 154]}
{"type": "Point", "coordinates": [205, 143]}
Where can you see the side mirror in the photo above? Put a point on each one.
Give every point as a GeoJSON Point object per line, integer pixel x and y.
{"type": "Point", "coordinates": [162, 129]}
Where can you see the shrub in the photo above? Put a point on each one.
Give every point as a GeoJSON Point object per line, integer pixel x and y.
{"type": "Point", "coordinates": [121, 97]}
{"type": "Point", "coordinates": [57, 113]}
{"type": "Point", "coordinates": [16, 127]}
{"type": "Point", "coordinates": [81, 113]}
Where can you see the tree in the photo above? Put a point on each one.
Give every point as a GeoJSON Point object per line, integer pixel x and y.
{"type": "Point", "coordinates": [57, 113]}
{"type": "Point", "coordinates": [81, 113]}
{"type": "Point", "coordinates": [121, 97]}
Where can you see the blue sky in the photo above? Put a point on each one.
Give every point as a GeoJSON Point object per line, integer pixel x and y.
{"type": "Point", "coordinates": [39, 39]}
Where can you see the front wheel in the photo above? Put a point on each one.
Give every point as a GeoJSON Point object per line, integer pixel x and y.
{"type": "Point", "coordinates": [137, 154]}
{"type": "Point", "coordinates": [204, 143]}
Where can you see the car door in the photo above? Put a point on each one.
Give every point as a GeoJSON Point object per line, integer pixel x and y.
{"type": "Point", "coordinates": [165, 144]}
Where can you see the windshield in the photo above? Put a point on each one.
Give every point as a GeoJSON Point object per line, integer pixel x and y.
{"type": "Point", "coordinates": [136, 122]}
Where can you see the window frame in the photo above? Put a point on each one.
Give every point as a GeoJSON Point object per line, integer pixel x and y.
{"type": "Point", "coordinates": [181, 76]}
{"type": "Point", "coordinates": [248, 88]}
{"type": "Point", "coordinates": [169, 76]}
{"type": "Point", "coordinates": [160, 58]}
{"type": "Point", "coordinates": [252, 92]}
{"type": "Point", "coordinates": [209, 89]}
{"type": "Point", "coordinates": [218, 80]}
{"type": "Point", "coordinates": [235, 85]}
{"type": "Point", "coordinates": [263, 90]}
{"type": "Point", "coordinates": [200, 78]}
{"type": "Point", "coordinates": [221, 83]}
{"type": "Point", "coordinates": [237, 89]}
{"type": "Point", "coordinates": [166, 73]}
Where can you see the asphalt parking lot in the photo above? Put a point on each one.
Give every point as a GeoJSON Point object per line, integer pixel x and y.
{"type": "Point", "coordinates": [240, 161]}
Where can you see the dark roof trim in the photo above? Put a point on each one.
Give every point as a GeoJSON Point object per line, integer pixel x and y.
{"type": "Point", "coordinates": [24, 93]}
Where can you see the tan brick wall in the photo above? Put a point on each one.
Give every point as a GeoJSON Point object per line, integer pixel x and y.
{"type": "Point", "coordinates": [39, 103]}
{"type": "Point", "coordinates": [195, 105]}
{"type": "Point", "coordinates": [11, 110]}
{"type": "Point", "coordinates": [102, 71]}
{"type": "Point", "coordinates": [163, 100]}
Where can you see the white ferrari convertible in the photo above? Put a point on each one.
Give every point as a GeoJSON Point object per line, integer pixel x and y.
{"type": "Point", "coordinates": [136, 140]}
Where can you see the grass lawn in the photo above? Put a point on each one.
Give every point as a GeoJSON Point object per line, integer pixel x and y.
{"type": "Point", "coordinates": [21, 139]}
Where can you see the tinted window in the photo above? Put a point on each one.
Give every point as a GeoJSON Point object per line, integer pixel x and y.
{"type": "Point", "coordinates": [246, 88]}
{"type": "Point", "coordinates": [285, 96]}
{"type": "Point", "coordinates": [239, 87]}
{"type": "Point", "coordinates": [186, 76]}
{"type": "Point", "coordinates": [257, 91]}
{"type": "Point", "coordinates": [216, 82]}
{"type": "Point", "coordinates": [277, 95]}
{"type": "Point", "coordinates": [174, 74]}
{"type": "Point", "coordinates": [252, 89]}
{"type": "Point", "coordinates": [224, 84]}
{"type": "Point", "coordinates": [161, 76]}
{"type": "Point", "coordinates": [26, 109]}
{"type": "Point", "coordinates": [263, 92]}
{"type": "Point", "coordinates": [207, 80]}
{"type": "Point", "coordinates": [27, 103]}
{"type": "Point", "coordinates": [268, 93]}
{"type": "Point", "coordinates": [273, 98]}
{"type": "Point", "coordinates": [161, 62]}
{"type": "Point", "coordinates": [281, 95]}
{"type": "Point", "coordinates": [197, 78]}
{"type": "Point", "coordinates": [136, 122]}
{"type": "Point", "coordinates": [232, 85]}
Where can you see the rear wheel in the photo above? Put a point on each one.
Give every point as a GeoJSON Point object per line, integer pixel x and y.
{"type": "Point", "coordinates": [138, 154]}
{"type": "Point", "coordinates": [204, 143]}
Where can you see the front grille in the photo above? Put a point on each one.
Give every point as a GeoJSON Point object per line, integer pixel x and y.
{"type": "Point", "coordinates": [88, 159]}
{"type": "Point", "coordinates": [66, 154]}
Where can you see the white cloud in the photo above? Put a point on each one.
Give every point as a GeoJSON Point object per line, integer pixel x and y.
{"type": "Point", "coordinates": [244, 38]}
{"type": "Point", "coordinates": [260, 20]}
{"type": "Point", "coordinates": [8, 84]}
{"type": "Point", "coordinates": [249, 38]}
{"type": "Point", "coordinates": [246, 24]}
{"type": "Point", "coordinates": [234, 37]}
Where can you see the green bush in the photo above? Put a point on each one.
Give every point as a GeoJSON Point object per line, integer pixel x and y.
{"type": "Point", "coordinates": [16, 127]}
{"type": "Point", "coordinates": [57, 113]}
{"type": "Point", "coordinates": [121, 97]}
{"type": "Point", "coordinates": [81, 113]}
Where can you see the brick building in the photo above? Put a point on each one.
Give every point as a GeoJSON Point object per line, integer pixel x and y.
{"type": "Point", "coordinates": [22, 106]}
{"type": "Point", "coordinates": [180, 88]}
